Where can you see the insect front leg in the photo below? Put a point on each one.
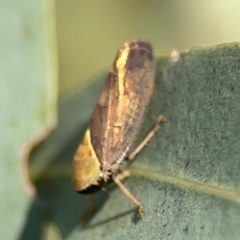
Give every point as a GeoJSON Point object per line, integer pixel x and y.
{"type": "Point", "coordinates": [118, 180]}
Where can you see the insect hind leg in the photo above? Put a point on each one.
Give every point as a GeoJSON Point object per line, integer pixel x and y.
{"type": "Point", "coordinates": [147, 138]}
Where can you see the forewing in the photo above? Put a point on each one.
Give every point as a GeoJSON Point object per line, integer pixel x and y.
{"type": "Point", "coordinates": [122, 103]}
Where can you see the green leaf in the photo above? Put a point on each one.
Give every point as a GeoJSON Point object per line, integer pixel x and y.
{"type": "Point", "coordinates": [28, 77]}
{"type": "Point", "coordinates": [187, 177]}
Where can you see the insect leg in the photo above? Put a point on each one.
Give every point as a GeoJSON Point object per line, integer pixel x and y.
{"type": "Point", "coordinates": [117, 180]}
{"type": "Point", "coordinates": [147, 138]}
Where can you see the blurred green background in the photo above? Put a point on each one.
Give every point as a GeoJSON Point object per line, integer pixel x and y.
{"type": "Point", "coordinates": [89, 32]}
{"type": "Point", "coordinates": [50, 49]}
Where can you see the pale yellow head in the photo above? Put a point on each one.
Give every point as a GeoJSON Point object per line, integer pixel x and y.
{"type": "Point", "coordinates": [87, 175]}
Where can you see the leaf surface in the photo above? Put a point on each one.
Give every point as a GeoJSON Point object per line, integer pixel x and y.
{"type": "Point", "coordinates": [187, 177]}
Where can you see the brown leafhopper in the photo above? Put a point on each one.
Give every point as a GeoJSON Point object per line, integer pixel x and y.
{"type": "Point", "coordinates": [116, 119]}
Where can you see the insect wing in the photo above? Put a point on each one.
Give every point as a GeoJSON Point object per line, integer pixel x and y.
{"type": "Point", "coordinates": [122, 102]}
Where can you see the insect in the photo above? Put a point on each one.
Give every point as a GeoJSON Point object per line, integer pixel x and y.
{"type": "Point", "coordinates": [115, 121]}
